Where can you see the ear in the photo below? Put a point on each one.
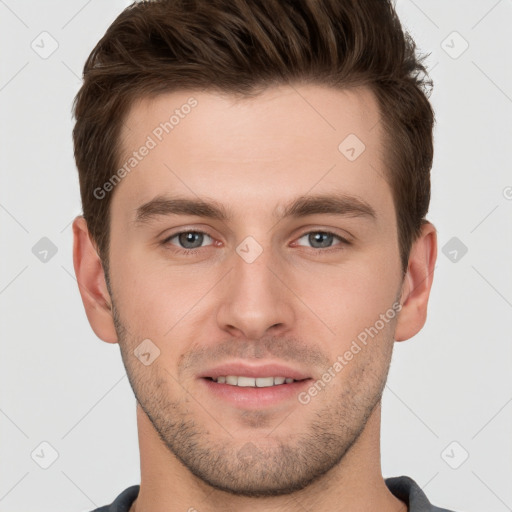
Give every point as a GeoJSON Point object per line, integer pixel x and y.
{"type": "Point", "coordinates": [91, 283]}
{"type": "Point", "coordinates": [417, 284]}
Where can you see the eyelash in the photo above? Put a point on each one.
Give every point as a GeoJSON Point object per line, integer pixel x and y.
{"type": "Point", "coordinates": [181, 251]}
{"type": "Point", "coordinates": [192, 252]}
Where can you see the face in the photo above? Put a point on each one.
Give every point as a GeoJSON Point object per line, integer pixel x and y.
{"type": "Point", "coordinates": [253, 239]}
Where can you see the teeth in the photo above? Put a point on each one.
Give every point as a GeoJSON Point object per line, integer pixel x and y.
{"type": "Point", "coordinates": [262, 382]}
{"type": "Point", "coordinates": [232, 380]}
{"type": "Point", "coordinates": [246, 382]}
{"type": "Point", "coordinates": [259, 382]}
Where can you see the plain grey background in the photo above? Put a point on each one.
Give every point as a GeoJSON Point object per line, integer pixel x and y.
{"type": "Point", "coordinates": [67, 412]}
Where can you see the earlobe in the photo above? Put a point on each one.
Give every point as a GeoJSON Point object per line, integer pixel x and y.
{"type": "Point", "coordinates": [91, 283]}
{"type": "Point", "coordinates": [417, 284]}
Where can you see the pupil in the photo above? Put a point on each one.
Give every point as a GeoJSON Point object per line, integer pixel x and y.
{"type": "Point", "coordinates": [324, 239]}
{"type": "Point", "coordinates": [192, 238]}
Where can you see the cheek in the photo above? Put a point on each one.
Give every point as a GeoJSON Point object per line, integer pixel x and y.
{"type": "Point", "coordinates": [154, 297]}
{"type": "Point", "coordinates": [349, 298]}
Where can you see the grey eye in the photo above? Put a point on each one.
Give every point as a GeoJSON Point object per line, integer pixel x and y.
{"type": "Point", "coordinates": [320, 239]}
{"type": "Point", "coordinates": [189, 239]}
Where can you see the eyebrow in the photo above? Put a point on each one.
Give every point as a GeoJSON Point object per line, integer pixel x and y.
{"type": "Point", "coordinates": [332, 203]}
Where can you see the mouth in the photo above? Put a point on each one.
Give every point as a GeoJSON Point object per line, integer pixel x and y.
{"type": "Point", "coordinates": [254, 387]}
{"type": "Point", "coordinates": [253, 382]}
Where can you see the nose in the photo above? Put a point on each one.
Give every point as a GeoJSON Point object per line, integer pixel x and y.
{"type": "Point", "coordinates": [256, 300]}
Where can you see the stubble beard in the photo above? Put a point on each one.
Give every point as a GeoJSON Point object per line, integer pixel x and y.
{"type": "Point", "coordinates": [265, 465]}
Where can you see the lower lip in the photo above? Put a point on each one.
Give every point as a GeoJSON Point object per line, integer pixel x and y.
{"type": "Point", "coordinates": [255, 398]}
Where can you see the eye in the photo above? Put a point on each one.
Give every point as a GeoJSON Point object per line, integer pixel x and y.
{"type": "Point", "coordinates": [322, 239]}
{"type": "Point", "coordinates": [188, 239]}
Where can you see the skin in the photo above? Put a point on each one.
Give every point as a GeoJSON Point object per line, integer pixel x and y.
{"type": "Point", "coordinates": [299, 302]}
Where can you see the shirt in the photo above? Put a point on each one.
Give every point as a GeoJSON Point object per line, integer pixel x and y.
{"type": "Point", "coordinates": [403, 487]}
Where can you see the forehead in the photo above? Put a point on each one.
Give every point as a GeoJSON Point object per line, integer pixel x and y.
{"type": "Point", "coordinates": [262, 150]}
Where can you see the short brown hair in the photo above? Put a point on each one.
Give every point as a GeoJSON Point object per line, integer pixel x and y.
{"type": "Point", "coordinates": [242, 47]}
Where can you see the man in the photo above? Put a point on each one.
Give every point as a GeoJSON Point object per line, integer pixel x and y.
{"type": "Point", "coordinates": [255, 177]}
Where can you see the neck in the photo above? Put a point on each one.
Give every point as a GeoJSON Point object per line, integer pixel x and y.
{"type": "Point", "coordinates": [355, 484]}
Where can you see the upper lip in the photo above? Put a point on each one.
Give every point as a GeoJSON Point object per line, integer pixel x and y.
{"type": "Point", "coordinates": [262, 370]}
